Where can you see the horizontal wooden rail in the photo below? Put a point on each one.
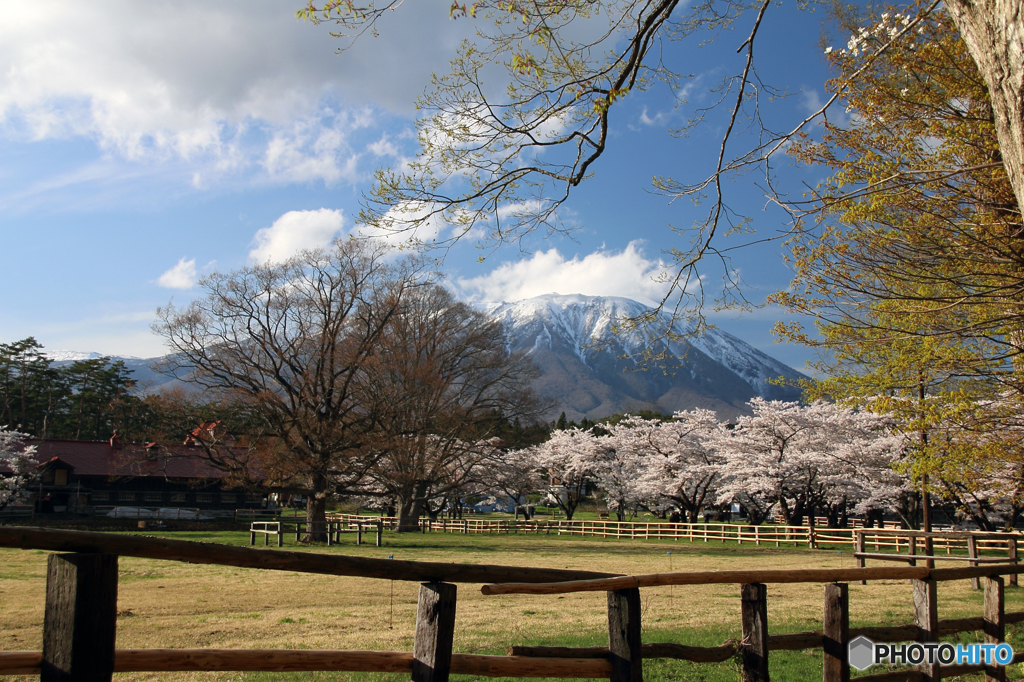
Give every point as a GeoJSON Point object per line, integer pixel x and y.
{"type": "Point", "coordinates": [823, 575]}
{"type": "Point", "coordinates": [297, 660]}
{"type": "Point", "coordinates": [923, 557]}
{"type": "Point", "coordinates": [696, 654]}
{"type": "Point", "coordinates": [793, 641]}
{"type": "Point", "coordinates": [813, 575]}
{"type": "Point", "coordinates": [302, 562]}
{"type": "Point", "coordinates": [952, 534]}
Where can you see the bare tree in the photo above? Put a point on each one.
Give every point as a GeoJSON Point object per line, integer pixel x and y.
{"type": "Point", "coordinates": [293, 340]}
{"type": "Point", "coordinates": [515, 473]}
{"type": "Point", "coordinates": [228, 433]}
{"type": "Point", "coordinates": [438, 375]}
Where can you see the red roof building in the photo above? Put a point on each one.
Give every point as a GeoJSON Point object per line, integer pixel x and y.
{"type": "Point", "coordinates": [75, 475]}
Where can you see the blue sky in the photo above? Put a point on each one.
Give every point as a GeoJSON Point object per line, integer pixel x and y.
{"type": "Point", "coordinates": [140, 150]}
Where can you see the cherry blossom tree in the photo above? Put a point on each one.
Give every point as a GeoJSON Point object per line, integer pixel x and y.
{"type": "Point", "coordinates": [679, 467]}
{"type": "Point", "coordinates": [802, 459]}
{"type": "Point", "coordinates": [16, 461]}
{"type": "Point", "coordinates": [618, 467]}
{"type": "Point", "coordinates": [515, 473]}
{"type": "Point", "coordinates": [570, 460]}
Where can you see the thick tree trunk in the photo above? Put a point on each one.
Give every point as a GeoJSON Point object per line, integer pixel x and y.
{"type": "Point", "coordinates": [410, 508]}
{"type": "Point", "coordinates": [993, 31]}
{"type": "Point", "coordinates": [316, 517]}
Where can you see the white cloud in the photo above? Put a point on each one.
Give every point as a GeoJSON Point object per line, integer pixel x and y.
{"type": "Point", "coordinates": [313, 150]}
{"type": "Point", "coordinates": [627, 273]}
{"type": "Point", "coordinates": [181, 276]}
{"type": "Point", "coordinates": [208, 82]}
{"type": "Point", "coordinates": [294, 231]}
{"type": "Point", "coordinates": [384, 147]}
{"type": "Point", "coordinates": [407, 226]}
{"type": "Point", "coordinates": [658, 119]}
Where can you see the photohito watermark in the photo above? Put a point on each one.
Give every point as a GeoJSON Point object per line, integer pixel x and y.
{"type": "Point", "coordinates": [864, 653]}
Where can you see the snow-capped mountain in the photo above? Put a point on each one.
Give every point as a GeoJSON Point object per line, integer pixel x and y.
{"type": "Point", "coordinates": [589, 370]}
{"type": "Point", "coordinates": [70, 355]}
{"type": "Point", "coordinates": [142, 368]}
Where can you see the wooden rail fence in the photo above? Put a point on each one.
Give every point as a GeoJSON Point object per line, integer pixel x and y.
{"type": "Point", "coordinates": [809, 536]}
{"type": "Point", "coordinates": [335, 527]}
{"type": "Point", "coordinates": [928, 542]}
{"type": "Point", "coordinates": [81, 606]}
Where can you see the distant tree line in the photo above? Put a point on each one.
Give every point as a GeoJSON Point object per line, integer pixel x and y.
{"type": "Point", "coordinates": [82, 400]}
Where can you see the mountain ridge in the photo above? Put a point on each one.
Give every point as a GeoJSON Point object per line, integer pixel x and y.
{"type": "Point", "coordinates": [592, 371]}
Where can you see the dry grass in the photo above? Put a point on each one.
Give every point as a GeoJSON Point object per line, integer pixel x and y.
{"type": "Point", "coordinates": [168, 604]}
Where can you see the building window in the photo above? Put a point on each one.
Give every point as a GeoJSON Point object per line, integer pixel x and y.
{"type": "Point", "coordinates": [126, 496]}
{"type": "Point", "coordinates": [204, 497]}
{"type": "Point", "coordinates": [101, 496]}
{"type": "Point", "coordinates": [178, 497]}
{"type": "Point", "coordinates": [60, 477]}
{"type": "Point", "coordinates": [228, 498]}
{"type": "Point", "coordinates": [152, 497]}
{"type": "Point", "coordinates": [254, 497]}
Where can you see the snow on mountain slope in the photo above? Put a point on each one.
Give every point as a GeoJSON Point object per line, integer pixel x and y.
{"type": "Point", "coordinates": [753, 366]}
{"type": "Point", "coordinates": [587, 369]}
{"type": "Point", "coordinates": [70, 355]}
{"type": "Point", "coordinates": [586, 324]}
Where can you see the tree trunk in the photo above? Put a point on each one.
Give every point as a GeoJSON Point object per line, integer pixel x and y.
{"type": "Point", "coordinates": [787, 517]}
{"type": "Point", "coordinates": [410, 508]}
{"type": "Point", "coordinates": [993, 31]}
{"type": "Point", "coordinates": [408, 517]}
{"type": "Point", "coordinates": [316, 516]}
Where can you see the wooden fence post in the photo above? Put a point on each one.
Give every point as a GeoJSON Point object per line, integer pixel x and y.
{"type": "Point", "coordinates": [972, 552]}
{"type": "Point", "coordinates": [435, 631]}
{"type": "Point", "coordinates": [380, 533]}
{"type": "Point", "coordinates": [926, 616]}
{"type": "Point", "coordinates": [624, 642]}
{"type": "Point", "coordinates": [995, 627]}
{"type": "Point", "coordinates": [80, 621]}
{"type": "Point", "coordinates": [754, 647]}
{"type": "Point", "coordinates": [1011, 554]}
{"type": "Point", "coordinates": [280, 535]}
{"type": "Point", "coordinates": [359, 533]}
{"type": "Point", "coordinates": [836, 628]}
{"type": "Point", "coordinates": [912, 549]}
{"type": "Point", "coordinates": [465, 526]}
{"type": "Point", "coordinates": [858, 548]}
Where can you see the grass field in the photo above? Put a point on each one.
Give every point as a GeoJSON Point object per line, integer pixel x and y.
{"type": "Point", "coordinates": [173, 605]}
